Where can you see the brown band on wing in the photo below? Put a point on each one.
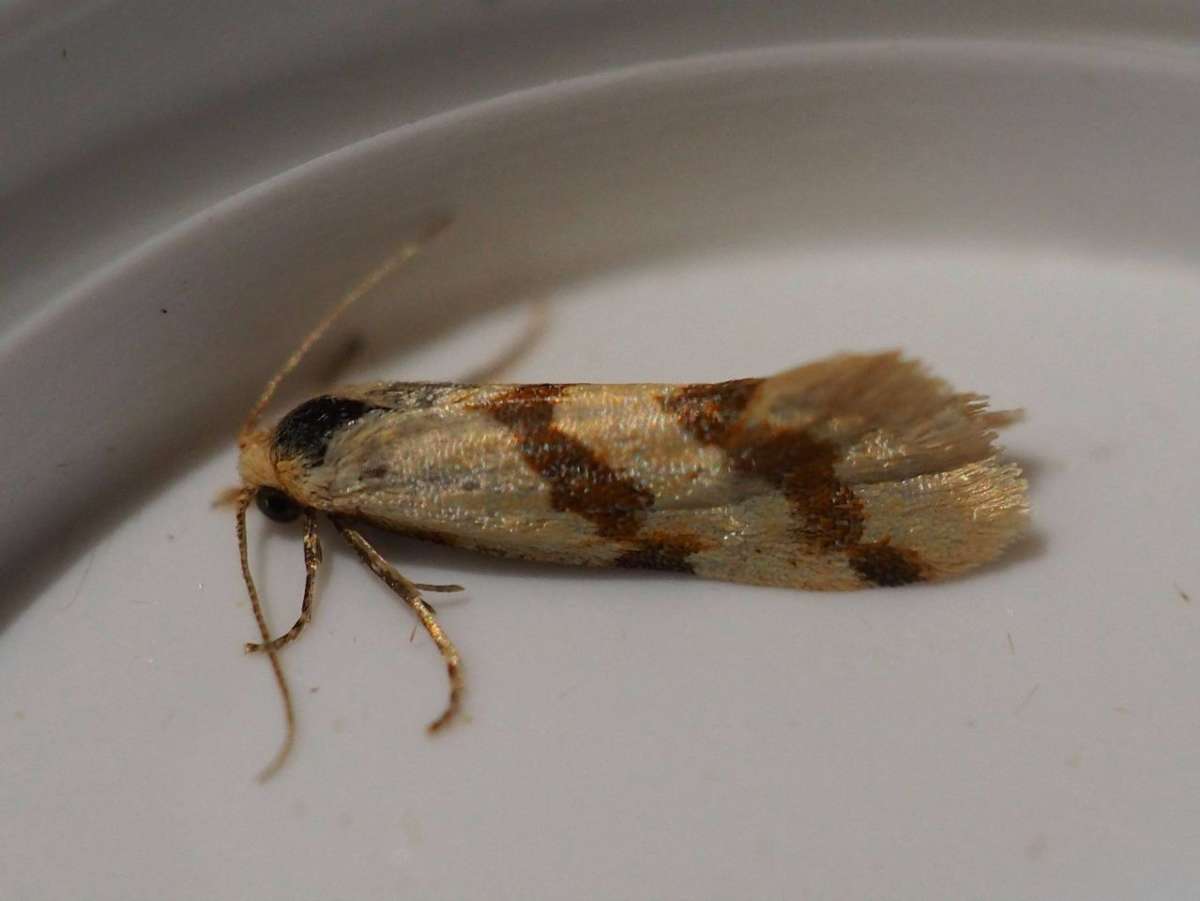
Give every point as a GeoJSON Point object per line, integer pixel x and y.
{"type": "Point", "coordinates": [579, 479]}
{"type": "Point", "coordinates": [883, 564]}
{"type": "Point", "coordinates": [827, 514]}
{"type": "Point", "coordinates": [709, 412]}
{"type": "Point", "coordinates": [662, 551]}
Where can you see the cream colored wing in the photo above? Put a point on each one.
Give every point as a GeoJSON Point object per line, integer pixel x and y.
{"type": "Point", "coordinates": [854, 471]}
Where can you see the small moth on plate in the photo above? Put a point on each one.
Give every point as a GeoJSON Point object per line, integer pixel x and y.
{"type": "Point", "coordinates": [853, 472]}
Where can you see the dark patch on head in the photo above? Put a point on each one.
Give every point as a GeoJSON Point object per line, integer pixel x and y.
{"type": "Point", "coordinates": [579, 479]}
{"type": "Point", "coordinates": [881, 563]}
{"type": "Point", "coordinates": [664, 552]}
{"type": "Point", "coordinates": [375, 472]}
{"type": "Point", "coordinates": [306, 431]}
{"type": "Point", "coordinates": [276, 505]}
{"type": "Point", "coordinates": [827, 515]}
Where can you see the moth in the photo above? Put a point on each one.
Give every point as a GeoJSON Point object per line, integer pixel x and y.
{"type": "Point", "coordinates": [857, 471]}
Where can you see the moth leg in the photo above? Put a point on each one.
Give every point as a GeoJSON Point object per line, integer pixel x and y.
{"type": "Point", "coordinates": [342, 359]}
{"type": "Point", "coordinates": [445, 589]}
{"type": "Point", "coordinates": [425, 586]}
{"type": "Point", "coordinates": [535, 330]}
{"type": "Point", "coordinates": [409, 593]}
{"type": "Point", "coordinates": [312, 560]}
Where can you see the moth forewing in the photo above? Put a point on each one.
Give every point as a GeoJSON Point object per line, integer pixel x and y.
{"type": "Point", "coordinates": [819, 478]}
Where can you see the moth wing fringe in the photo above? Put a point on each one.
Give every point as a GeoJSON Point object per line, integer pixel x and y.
{"type": "Point", "coordinates": [955, 520]}
{"type": "Point", "coordinates": [889, 417]}
{"type": "Point", "coordinates": [920, 458]}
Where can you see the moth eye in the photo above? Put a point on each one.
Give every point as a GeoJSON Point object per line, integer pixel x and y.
{"type": "Point", "coordinates": [276, 505]}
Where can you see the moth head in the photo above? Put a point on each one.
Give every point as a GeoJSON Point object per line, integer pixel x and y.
{"type": "Point", "coordinates": [262, 452]}
{"type": "Point", "coordinates": [255, 465]}
{"type": "Point", "coordinates": [260, 477]}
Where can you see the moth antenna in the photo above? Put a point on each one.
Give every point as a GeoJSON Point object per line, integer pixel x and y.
{"type": "Point", "coordinates": [401, 256]}
{"type": "Point", "coordinates": [285, 693]}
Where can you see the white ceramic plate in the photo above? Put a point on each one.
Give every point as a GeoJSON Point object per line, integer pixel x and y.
{"type": "Point", "coordinates": [1021, 214]}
